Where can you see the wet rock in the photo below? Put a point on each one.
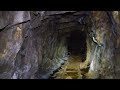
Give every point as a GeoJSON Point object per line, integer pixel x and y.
{"type": "Point", "coordinates": [34, 49]}
{"type": "Point", "coordinates": [11, 40]}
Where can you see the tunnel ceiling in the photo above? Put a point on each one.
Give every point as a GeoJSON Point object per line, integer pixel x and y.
{"type": "Point", "coordinates": [66, 21]}
{"type": "Point", "coordinates": [70, 21]}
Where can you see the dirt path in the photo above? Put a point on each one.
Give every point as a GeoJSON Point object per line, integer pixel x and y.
{"type": "Point", "coordinates": [70, 70]}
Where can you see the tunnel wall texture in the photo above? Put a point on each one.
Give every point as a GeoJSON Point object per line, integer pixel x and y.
{"type": "Point", "coordinates": [26, 51]}
{"type": "Point", "coordinates": [104, 59]}
{"type": "Point", "coordinates": [37, 47]}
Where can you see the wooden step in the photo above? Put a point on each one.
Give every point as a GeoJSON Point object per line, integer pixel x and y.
{"type": "Point", "coordinates": [71, 69]}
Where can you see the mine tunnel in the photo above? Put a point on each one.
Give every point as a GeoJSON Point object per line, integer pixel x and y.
{"type": "Point", "coordinates": [48, 43]}
{"type": "Point", "coordinates": [74, 36]}
{"type": "Point", "coordinates": [59, 44]}
{"type": "Point", "coordinates": [77, 43]}
{"type": "Point", "coordinates": [76, 47]}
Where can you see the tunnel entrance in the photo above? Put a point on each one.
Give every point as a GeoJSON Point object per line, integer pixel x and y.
{"type": "Point", "coordinates": [76, 44]}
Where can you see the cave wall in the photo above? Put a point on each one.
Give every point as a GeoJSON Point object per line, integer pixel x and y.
{"type": "Point", "coordinates": [102, 62]}
{"type": "Point", "coordinates": [36, 48]}
{"type": "Point", "coordinates": [11, 40]}
{"type": "Point", "coordinates": [28, 50]}
{"type": "Point", "coordinates": [104, 59]}
{"type": "Point", "coordinates": [50, 46]}
{"type": "Point", "coordinates": [116, 60]}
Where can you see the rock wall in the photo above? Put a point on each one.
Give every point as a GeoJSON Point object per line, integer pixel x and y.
{"type": "Point", "coordinates": [28, 50]}
{"type": "Point", "coordinates": [50, 46]}
{"type": "Point", "coordinates": [11, 39]}
{"type": "Point", "coordinates": [103, 59]}
{"type": "Point", "coordinates": [33, 44]}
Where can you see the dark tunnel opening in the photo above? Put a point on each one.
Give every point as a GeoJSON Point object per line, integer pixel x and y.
{"type": "Point", "coordinates": [76, 44]}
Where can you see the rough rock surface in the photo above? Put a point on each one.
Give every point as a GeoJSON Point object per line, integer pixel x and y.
{"type": "Point", "coordinates": [33, 44]}
{"type": "Point", "coordinates": [11, 40]}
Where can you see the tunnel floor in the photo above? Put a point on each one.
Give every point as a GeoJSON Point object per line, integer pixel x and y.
{"type": "Point", "coordinates": [77, 54]}
{"type": "Point", "coordinates": [70, 70]}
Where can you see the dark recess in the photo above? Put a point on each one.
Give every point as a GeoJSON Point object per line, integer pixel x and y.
{"type": "Point", "coordinates": [77, 43]}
